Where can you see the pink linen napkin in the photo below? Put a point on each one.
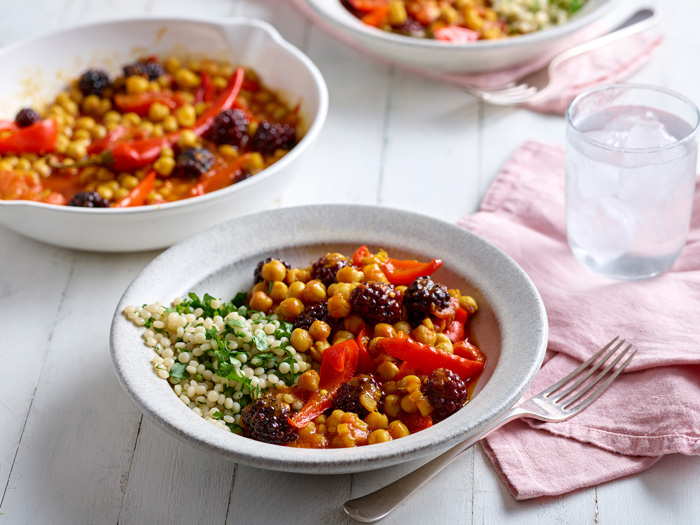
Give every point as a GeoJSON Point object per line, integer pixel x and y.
{"type": "Point", "coordinates": [613, 63]}
{"type": "Point", "coordinates": [654, 407]}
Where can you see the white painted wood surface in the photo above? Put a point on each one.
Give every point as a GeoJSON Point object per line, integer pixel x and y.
{"type": "Point", "coordinates": [74, 449]}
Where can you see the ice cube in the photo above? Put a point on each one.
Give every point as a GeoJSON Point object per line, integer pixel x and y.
{"type": "Point", "coordinates": [647, 186]}
{"type": "Point", "coordinates": [605, 228]}
{"type": "Point", "coordinates": [592, 179]}
{"type": "Point", "coordinates": [649, 134]}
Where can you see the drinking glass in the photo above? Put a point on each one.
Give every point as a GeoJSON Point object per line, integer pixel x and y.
{"type": "Point", "coordinates": [631, 154]}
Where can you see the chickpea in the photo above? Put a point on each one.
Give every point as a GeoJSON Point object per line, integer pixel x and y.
{"type": "Point", "coordinates": [186, 78]}
{"type": "Point", "coordinates": [164, 166]}
{"type": "Point", "coordinates": [409, 384]}
{"type": "Point", "coordinates": [372, 272]}
{"type": "Point", "coordinates": [387, 370]}
{"type": "Point", "coordinates": [384, 330]}
{"type": "Point", "coordinates": [85, 123]}
{"type": "Point", "coordinates": [254, 163]}
{"type": "Point", "coordinates": [262, 286]}
{"type": "Point", "coordinates": [158, 111]}
{"type": "Point", "coordinates": [317, 350]}
{"type": "Point", "coordinates": [121, 193]}
{"type": "Point", "coordinates": [468, 303]}
{"type": "Point", "coordinates": [260, 301]}
{"type": "Point", "coordinates": [170, 124]}
{"type": "Point", "coordinates": [273, 271]}
{"type": "Point", "coordinates": [128, 181]}
{"type": "Point", "coordinates": [296, 290]}
{"type": "Point", "coordinates": [131, 119]}
{"type": "Point", "coordinates": [228, 152]}
{"type": "Point", "coordinates": [353, 323]}
{"type": "Point", "coordinates": [111, 116]}
{"type": "Point", "coordinates": [290, 308]}
{"type": "Point", "coordinates": [301, 340]}
{"type": "Point", "coordinates": [349, 274]}
{"type": "Point", "coordinates": [392, 405]}
{"type": "Point", "coordinates": [309, 381]}
{"type": "Point", "coordinates": [379, 436]}
{"type": "Point", "coordinates": [167, 151]}
{"type": "Point", "coordinates": [338, 307]}
{"type": "Point", "coordinates": [344, 290]}
{"type": "Point", "coordinates": [105, 192]}
{"type": "Point", "coordinates": [278, 291]}
{"type": "Point", "coordinates": [408, 405]}
{"type": "Point", "coordinates": [76, 150]}
{"type": "Point", "coordinates": [424, 335]}
{"type": "Point", "coordinates": [98, 132]}
{"type": "Point", "coordinates": [402, 326]}
{"type": "Point", "coordinates": [314, 292]}
{"type": "Point", "coordinates": [187, 139]}
{"type": "Point", "coordinates": [342, 335]}
{"type": "Point", "coordinates": [319, 330]}
{"type": "Point", "coordinates": [103, 174]}
{"type": "Point", "coordinates": [136, 84]}
{"type": "Point", "coordinates": [442, 342]}
{"type": "Point", "coordinates": [91, 104]}
{"type": "Point", "coordinates": [186, 115]}
{"type": "Point", "coordinates": [171, 64]}
{"type": "Point", "coordinates": [376, 420]}
{"type": "Point", "coordinates": [397, 429]}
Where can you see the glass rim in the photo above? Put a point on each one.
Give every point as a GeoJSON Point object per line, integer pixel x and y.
{"type": "Point", "coordinates": [632, 86]}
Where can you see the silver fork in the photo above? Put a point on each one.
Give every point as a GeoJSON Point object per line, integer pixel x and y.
{"type": "Point", "coordinates": [559, 402]}
{"type": "Point", "coordinates": [538, 84]}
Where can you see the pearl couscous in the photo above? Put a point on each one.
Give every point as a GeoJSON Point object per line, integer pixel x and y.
{"type": "Point", "coordinates": [218, 356]}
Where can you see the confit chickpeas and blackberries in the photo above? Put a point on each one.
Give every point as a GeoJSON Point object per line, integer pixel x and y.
{"type": "Point", "coordinates": [158, 132]}
{"type": "Point", "coordinates": [350, 351]}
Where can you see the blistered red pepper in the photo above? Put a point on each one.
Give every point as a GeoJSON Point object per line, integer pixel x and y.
{"type": "Point", "coordinates": [133, 154]}
{"type": "Point", "coordinates": [205, 91]}
{"type": "Point", "coordinates": [455, 330]}
{"type": "Point", "coordinates": [376, 17]}
{"type": "Point", "coordinates": [428, 358]}
{"type": "Point", "coordinates": [360, 255]}
{"type": "Point", "coordinates": [220, 177]}
{"type": "Point", "coordinates": [137, 196]}
{"type": "Point", "coordinates": [367, 6]}
{"type": "Point", "coordinates": [416, 421]}
{"type": "Point", "coordinates": [224, 101]}
{"type": "Point", "coordinates": [404, 272]}
{"type": "Point", "coordinates": [338, 366]}
{"type": "Point", "coordinates": [112, 137]}
{"type": "Point", "coordinates": [365, 364]}
{"type": "Point", "coordinates": [468, 351]}
{"type": "Point", "coordinates": [8, 125]}
{"type": "Point", "coordinates": [140, 103]}
{"type": "Point", "coordinates": [39, 137]}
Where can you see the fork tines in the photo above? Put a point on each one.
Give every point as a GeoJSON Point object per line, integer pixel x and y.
{"type": "Point", "coordinates": [607, 375]}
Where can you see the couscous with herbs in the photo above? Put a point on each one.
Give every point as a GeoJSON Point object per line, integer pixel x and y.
{"type": "Point", "coordinates": [346, 352]}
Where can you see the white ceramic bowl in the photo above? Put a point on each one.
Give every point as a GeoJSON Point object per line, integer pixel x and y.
{"type": "Point", "coordinates": [35, 70]}
{"type": "Point", "coordinates": [510, 326]}
{"type": "Point", "coordinates": [435, 55]}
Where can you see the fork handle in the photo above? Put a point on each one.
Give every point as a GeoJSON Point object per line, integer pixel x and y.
{"type": "Point", "coordinates": [376, 505]}
{"type": "Point", "coordinates": [638, 22]}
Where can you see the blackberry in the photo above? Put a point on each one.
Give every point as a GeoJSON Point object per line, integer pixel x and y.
{"type": "Point", "coordinates": [192, 162]}
{"type": "Point", "coordinates": [446, 391]}
{"type": "Point", "coordinates": [257, 275]}
{"type": "Point", "coordinates": [145, 68]}
{"type": "Point", "coordinates": [327, 266]}
{"type": "Point", "coordinates": [270, 137]}
{"type": "Point", "coordinates": [361, 395]}
{"type": "Point", "coordinates": [423, 297]}
{"type": "Point", "coordinates": [376, 302]}
{"type": "Point", "coordinates": [314, 312]}
{"type": "Point", "coordinates": [27, 117]}
{"type": "Point", "coordinates": [89, 199]}
{"type": "Point", "coordinates": [93, 82]}
{"type": "Point", "coordinates": [265, 419]}
{"type": "Point", "coordinates": [230, 127]}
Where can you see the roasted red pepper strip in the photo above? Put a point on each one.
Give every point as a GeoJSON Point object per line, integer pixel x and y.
{"type": "Point", "coordinates": [137, 196]}
{"type": "Point", "coordinates": [140, 103]}
{"type": "Point", "coordinates": [251, 85]}
{"type": "Point", "coordinates": [367, 6]}
{"type": "Point", "coordinates": [468, 351]}
{"type": "Point", "coordinates": [360, 255]}
{"type": "Point", "coordinates": [455, 331]}
{"type": "Point", "coordinates": [405, 272]}
{"type": "Point", "coordinates": [416, 422]}
{"type": "Point", "coordinates": [338, 366]}
{"type": "Point", "coordinates": [39, 137]}
{"type": "Point", "coordinates": [134, 154]}
{"type": "Point", "coordinates": [376, 17]}
{"type": "Point", "coordinates": [428, 358]}
{"type": "Point", "coordinates": [219, 178]}
{"type": "Point", "coordinates": [365, 363]}
{"type": "Point", "coordinates": [224, 101]}
{"type": "Point", "coordinates": [205, 91]}
{"type": "Point", "coordinates": [111, 138]}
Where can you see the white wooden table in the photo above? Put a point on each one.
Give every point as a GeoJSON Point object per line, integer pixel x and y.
{"type": "Point", "coordinates": [74, 449]}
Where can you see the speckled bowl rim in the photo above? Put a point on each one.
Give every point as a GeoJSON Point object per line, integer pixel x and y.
{"type": "Point", "coordinates": [512, 295]}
